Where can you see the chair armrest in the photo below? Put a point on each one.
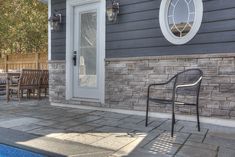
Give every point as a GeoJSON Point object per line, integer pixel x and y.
{"type": "Point", "coordinates": [13, 80]}
{"type": "Point", "coordinates": [159, 84]}
{"type": "Point", "coordinates": [189, 85]}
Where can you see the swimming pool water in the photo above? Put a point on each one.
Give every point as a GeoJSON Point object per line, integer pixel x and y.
{"type": "Point", "coordinates": [9, 151]}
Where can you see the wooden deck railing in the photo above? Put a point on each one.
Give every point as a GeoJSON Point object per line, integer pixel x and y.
{"type": "Point", "coordinates": [17, 62]}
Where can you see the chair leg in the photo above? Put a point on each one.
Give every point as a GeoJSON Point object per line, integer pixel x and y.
{"type": "Point", "coordinates": [45, 92]}
{"type": "Point", "coordinates": [147, 110]}
{"type": "Point", "coordinates": [22, 93]}
{"type": "Point", "coordinates": [27, 93]}
{"type": "Point", "coordinates": [39, 93]}
{"type": "Point", "coordinates": [197, 102]}
{"type": "Point", "coordinates": [172, 126]}
{"type": "Point", "coordinates": [8, 95]}
{"type": "Point", "coordinates": [18, 94]}
{"type": "Point", "coordinates": [147, 107]}
{"type": "Point", "coordinates": [173, 120]}
{"type": "Point", "coordinates": [174, 117]}
{"type": "Point", "coordinates": [33, 91]}
{"type": "Point", "coordinates": [11, 93]}
{"type": "Point", "coordinates": [198, 122]}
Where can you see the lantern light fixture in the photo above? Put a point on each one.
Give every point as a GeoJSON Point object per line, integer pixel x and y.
{"type": "Point", "coordinates": [55, 21]}
{"type": "Point", "coordinates": [113, 11]}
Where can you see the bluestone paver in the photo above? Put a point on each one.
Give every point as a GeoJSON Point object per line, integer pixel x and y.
{"type": "Point", "coordinates": [191, 151]}
{"type": "Point", "coordinates": [219, 139]}
{"type": "Point", "coordinates": [225, 152]}
{"type": "Point", "coordinates": [78, 132]}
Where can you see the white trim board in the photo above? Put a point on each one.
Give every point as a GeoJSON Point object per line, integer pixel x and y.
{"type": "Point", "coordinates": [49, 30]}
{"type": "Point", "coordinates": [208, 120]}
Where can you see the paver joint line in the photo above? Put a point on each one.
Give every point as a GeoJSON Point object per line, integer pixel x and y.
{"type": "Point", "coordinates": [182, 144]}
{"type": "Point", "coordinates": [205, 136]}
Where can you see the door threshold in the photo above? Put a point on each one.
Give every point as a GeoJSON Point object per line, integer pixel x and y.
{"type": "Point", "coordinates": [85, 99]}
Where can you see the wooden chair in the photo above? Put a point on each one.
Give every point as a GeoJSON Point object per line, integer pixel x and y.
{"type": "Point", "coordinates": [29, 80]}
{"type": "Point", "coordinates": [185, 83]}
{"type": "Point", "coordinates": [12, 82]}
{"type": "Point", "coordinates": [2, 83]}
{"type": "Point", "coordinates": [44, 83]}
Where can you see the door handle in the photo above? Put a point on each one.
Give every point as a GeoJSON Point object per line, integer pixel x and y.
{"type": "Point", "coordinates": [74, 58]}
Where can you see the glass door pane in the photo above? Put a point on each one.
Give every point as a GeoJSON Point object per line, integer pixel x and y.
{"type": "Point", "coordinates": [88, 50]}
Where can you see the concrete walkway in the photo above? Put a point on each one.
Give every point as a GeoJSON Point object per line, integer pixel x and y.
{"type": "Point", "coordinates": [57, 131]}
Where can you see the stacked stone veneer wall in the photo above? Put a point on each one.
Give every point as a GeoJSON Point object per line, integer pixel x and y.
{"type": "Point", "coordinates": [127, 81]}
{"type": "Point", "coordinates": [57, 81]}
{"type": "Point", "coordinates": [57, 85]}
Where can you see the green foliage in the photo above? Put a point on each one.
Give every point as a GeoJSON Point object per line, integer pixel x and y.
{"type": "Point", "coordinates": [23, 26]}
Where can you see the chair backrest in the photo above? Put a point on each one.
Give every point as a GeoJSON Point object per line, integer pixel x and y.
{"type": "Point", "coordinates": [189, 76]}
{"type": "Point", "coordinates": [30, 77]}
{"type": "Point", "coordinates": [44, 78]}
{"type": "Point", "coordinates": [3, 78]}
{"type": "Point", "coordinates": [2, 82]}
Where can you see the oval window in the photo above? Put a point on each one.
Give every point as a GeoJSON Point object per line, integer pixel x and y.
{"type": "Point", "coordinates": [180, 20]}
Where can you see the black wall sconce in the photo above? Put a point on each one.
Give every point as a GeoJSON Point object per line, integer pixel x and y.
{"type": "Point", "coordinates": [55, 21]}
{"type": "Point", "coordinates": [112, 11]}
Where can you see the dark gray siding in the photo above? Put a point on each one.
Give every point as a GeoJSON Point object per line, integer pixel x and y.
{"type": "Point", "coordinates": [138, 33]}
{"type": "Point", "coordinates": [58, 38]}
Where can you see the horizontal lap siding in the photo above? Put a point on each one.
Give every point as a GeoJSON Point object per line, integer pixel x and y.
{"type": "Point", "coordinates": [138, 32]}
{"type": "Point", "coordinates": [58, 39]}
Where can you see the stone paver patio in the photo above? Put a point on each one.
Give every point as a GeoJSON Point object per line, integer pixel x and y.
{"type": "Point", "coordinates": [58, 131]}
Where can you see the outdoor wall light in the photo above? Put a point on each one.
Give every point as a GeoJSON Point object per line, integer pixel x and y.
{"type": "Point", "coordinates": [55, 21]}
{"type": "Point", "coordinates": [112, 11]}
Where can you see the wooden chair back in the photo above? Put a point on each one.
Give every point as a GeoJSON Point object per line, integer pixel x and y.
{"type": "Point", "coordinates": [30, 78]}
{"type": "Point", "coordinates": [44, 79]}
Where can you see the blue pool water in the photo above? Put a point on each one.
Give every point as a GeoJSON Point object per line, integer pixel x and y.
{"type": "Point", "coordinates": [9, 151]}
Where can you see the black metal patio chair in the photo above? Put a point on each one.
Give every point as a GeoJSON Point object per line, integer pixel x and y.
{"type": "Point", "coordinates": [185, 83]}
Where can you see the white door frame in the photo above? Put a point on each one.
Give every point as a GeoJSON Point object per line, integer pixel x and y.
{"type": "Point", "coordinates": [49, 30]}
{"type": "Point", "coordinates": [70, 5]}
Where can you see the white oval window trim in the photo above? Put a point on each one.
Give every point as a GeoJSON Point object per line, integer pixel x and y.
{"type": "Point", "coordinates": [163, 20]}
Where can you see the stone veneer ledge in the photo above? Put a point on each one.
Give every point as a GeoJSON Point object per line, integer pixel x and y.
{"type": "Point", "coordinates": [192, 56]}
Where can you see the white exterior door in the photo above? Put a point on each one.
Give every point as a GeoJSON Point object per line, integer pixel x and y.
{"type": "Point", "coordinates": [85, 50]}
{"type": "Point", "coordinates": [87, 57]}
